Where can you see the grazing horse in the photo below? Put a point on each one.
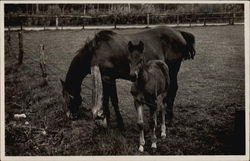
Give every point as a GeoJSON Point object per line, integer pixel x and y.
{"type": "Point", "coordinates": [149, 89]}
{"type": "Point", "coordinates": [106, 58]}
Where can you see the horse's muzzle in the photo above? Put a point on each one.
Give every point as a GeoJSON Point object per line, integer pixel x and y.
{"type": "Point", "coordinates": [72, 116]}
{"type": "Point", "coordinates": [100, 119]}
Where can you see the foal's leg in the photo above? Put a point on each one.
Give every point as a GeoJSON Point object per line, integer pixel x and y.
{"type": "Point", "coordinates": [140, 123]}
{"type": "Point", "coordinates": [153, 125]}
{"type": "Point", "coordinates": [160, 105]}
{"type": "Point", "coordinates": [114, 100]}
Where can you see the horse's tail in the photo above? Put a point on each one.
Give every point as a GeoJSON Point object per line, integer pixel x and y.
{"type": "Point", "coordinates": [189, 51]}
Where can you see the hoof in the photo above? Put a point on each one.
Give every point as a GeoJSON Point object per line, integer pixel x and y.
{"type": "Point", "coordinates": [153, 146]}
{"type": "Point", "coordinates": [163, 135]}
{"type": "Point", "coordinates": [102, 123]}
{"type": "Point", "coordinates": [141, 149]}
{"type": "Point", "coordinates": [72, 116]}
{"type": "Point", "coordinates": [120, 124]}
{"type": "Point", "coordinates": [154, 150]}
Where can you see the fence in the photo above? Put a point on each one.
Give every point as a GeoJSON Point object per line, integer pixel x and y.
{"type": "Point", "coordinates": [129, 19]}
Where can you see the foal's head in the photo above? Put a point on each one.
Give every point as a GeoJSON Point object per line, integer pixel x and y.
{"type": "Point", "coordinates": [136, 58]}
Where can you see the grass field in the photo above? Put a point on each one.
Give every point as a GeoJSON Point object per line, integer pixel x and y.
{"type": "Point", "coordinates": [211, 87]}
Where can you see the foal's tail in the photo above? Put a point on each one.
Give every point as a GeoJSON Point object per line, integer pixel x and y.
{"type": "Point", "coordinates": [189, 51]}
{"type": "Point", "coordinates": [165, 70]}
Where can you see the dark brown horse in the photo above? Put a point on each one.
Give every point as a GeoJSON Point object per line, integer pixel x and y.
{"type": "Point", "coordinates": [106, 58]}
{"type": "Point", "coordinates": [149, 90]}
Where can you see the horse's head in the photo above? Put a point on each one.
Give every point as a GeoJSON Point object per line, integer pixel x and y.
{"type": "Point", "coordinates": [136, 58]}
{"type": "Point", "coordinates": [72, 102]}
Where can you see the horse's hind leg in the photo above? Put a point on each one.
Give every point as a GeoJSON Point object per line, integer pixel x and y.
{"type": "Point", "coordinates": [114, 100]}
{"type": "Point", "coordinates": [105, 101]}
{"type": "Point", "coordinates": [173, 87]}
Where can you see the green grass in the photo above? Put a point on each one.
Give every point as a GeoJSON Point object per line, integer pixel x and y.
{"type": "Point", "coordinates": [211, 87]}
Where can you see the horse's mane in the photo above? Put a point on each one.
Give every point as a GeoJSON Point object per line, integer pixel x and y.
{"type": "Point", "coordinates": [104, 35]}
{"type": "Point", "coordinates": [90, 45]}
{"type": "Point", "coordinates": [80, 65]}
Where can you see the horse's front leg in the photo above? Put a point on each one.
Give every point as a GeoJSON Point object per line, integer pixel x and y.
{"type": "Point", "coordinates": [114, 100]}
{"type": "Point", "coordinates": [97, 97]}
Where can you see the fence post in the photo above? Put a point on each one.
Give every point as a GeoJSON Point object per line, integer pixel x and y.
{"type": "Point", "coordinates": [204, 21]}
{"type": "Point", "coordinates": [115, 22]}
{"type": "Point", "coordinates": [21, 27]}
{"type": "Point", "coordinates": [62, 23]}
{"type": "Point", "coordinates": [83, 23]}
{"type": "Point", "coordinates": [177, 20]}
{"type": "Point", "coordinates": [9, 40]}
{"type": "Point", "coordinates": [233, 18]}
{"type": "Point", "coordinates": [148, 20]}
{"type": "Point", "coordinates": [44, 21]}
{"type": "Point", "coordinates": [57, 22]}
{"type": "Point", "coordinates": [20, 56]}
{"type": "Point", "coordinates": [43, 65]}
{"type": "Point", "coordinates": [190, 21]}
{"type": "Point", "coordinates": [8, 36]}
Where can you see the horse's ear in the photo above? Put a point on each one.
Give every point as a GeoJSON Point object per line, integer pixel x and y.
{"type": "Point", "coordinates": [130, 46]}
{"type": "Point", "coordinates": [141, 46]}
{"type": "Point", "coordinates": [63, 83]}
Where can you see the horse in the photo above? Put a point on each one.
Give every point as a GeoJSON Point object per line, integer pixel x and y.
{"type": "Point", "coordinates": [149, 89]}
{"type": "Point", "coordinates": [105, 57]}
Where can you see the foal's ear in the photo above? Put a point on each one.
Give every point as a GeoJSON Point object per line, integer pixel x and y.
{"type": "Point", "coordinates": [130, 46]}
{"type": "Point", "coordinates": [141, 46]}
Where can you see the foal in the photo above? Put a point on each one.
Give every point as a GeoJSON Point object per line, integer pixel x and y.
{"type": "Point", "coordinates": [149, 89]}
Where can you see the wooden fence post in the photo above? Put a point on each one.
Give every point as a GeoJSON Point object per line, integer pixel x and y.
{"type": "Point", "coordinates": [148, 20]}
{"type": "Point", "coordinates": [204, 21]}
{"type": "Point", "coordinates": [20, 56]}
{"type": "Point", "coordinates": [57, 22]}
{"type": "Point", "coordinates": [177, 20]}
{"type": "Point", "coordinates": [43, 59]}
{"type": "Point", "coordinates": [9, 41]}
{"type": "Point", "coordinates": [8, 36]}
{"type": "Point", "coordinates": [21, 25]}
{"type": "Point", "coordinates": [233, 19]}
{"type": "Point", "coordinates": [83, 23]}
{"type": "Point", "coordinates": [62, 23]}
{"type": "Point", "coordinates": [115, 22]}
{"type": "Point", "coordinates": [44, 21]}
